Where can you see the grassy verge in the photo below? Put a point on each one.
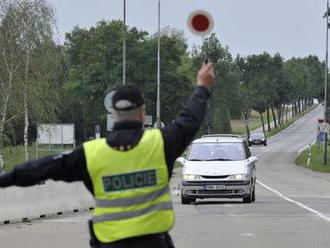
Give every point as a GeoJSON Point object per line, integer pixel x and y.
{"type": "Point", "coordinates": [15, 155]}
{"type": "Point", "coordinates": [238, 126]}
{"type": "Point", "coordinates": [316, 161]}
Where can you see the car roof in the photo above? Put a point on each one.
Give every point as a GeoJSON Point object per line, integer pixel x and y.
{"type": "Point", "coordinates": [223, 138]}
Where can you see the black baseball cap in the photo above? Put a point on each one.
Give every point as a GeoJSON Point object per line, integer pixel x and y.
{"type": "Point", "coordinates": [127, 97]}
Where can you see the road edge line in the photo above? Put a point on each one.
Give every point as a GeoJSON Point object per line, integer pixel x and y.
{"type": "Point", "coordinates": [284, 197]}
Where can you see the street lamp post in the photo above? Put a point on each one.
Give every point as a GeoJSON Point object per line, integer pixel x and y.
{"type": "Point", "coordinates": [326, 81]}
{"type": "Point", "coordinates": [158, 121]}
{"type": "Point", "coordinates": [124, 44]}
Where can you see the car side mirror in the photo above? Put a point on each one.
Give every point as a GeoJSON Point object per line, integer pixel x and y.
{"type": "Point", "coordinates": [253, 159]}
{"type": "Point", "coordinates": [181, 160]}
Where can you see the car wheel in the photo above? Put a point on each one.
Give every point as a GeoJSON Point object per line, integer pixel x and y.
{"type": "Point", "coordinates": [265, 143]}
{"type": "Point", "coordinates": [248, 198]}
{"type": "Point", "coordinates": [250, 144]}
{"type": "Point", "coordinates": [254, 194]}
{"type": "Point", "coordinates": [186, 200]}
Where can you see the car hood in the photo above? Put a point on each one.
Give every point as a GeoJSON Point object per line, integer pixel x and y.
{"type": "Point", "coordinates": [211, 168]}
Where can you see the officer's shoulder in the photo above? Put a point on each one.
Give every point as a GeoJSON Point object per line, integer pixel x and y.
{"type": "Point", "coordinates": [94, 142]}
{"type": "Point", "coordinates": [152, 130]}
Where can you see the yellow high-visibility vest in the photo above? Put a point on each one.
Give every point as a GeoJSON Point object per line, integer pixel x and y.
{"type": "Point", "coordinates": [131, 188]}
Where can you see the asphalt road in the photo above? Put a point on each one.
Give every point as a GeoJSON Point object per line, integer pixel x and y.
{"type": "Point", "coordinates": [292, 208]}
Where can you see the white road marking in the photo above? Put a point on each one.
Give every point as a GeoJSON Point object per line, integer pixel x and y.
{"type": "Point", "coordinates": [303, 149]}
{"type": "Point", "coordinates": [284, 197]}
{"type": "Point", "coordinates": [311, 196]}
{"type": "Point", "coordinates": [225, 215]}
{"type": "Point", "coordinates": [260, 153]}
{"type": "Point", "coordinates": [66, 220]}
{"type": "Point", "coordinates": [248, 234]}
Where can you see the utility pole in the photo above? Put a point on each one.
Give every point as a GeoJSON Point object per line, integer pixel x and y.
{"type": "Point", "coordinates": [326, 82]}
{"type": "Point", "coordinates": [124, 44]}
{"type": "Point", "coordinates": [158, 121]}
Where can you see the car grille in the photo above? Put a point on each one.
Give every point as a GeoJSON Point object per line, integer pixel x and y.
{"type": "Point", "coordinates": [214, 177]}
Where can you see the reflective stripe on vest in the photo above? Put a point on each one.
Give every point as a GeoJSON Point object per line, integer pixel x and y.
{"type": "Point", "coordinates": [130, 188]}
{"type": "Point", "coordinates": [125, 202]}
{"type": "Point", "coordinates": [125, 215]}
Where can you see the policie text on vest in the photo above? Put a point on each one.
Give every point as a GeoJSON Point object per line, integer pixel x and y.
{"type": "Point", "coordinates": [129, 181]}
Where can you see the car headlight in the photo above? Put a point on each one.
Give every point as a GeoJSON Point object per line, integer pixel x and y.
{"type": "Point", "coordinates": [189, 177]}
{"type": "Point", "coordinates": [239, 177]}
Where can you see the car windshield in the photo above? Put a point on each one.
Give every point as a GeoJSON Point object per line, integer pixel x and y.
{"type": "Point", "coordinates": [216, 152]}
{"type": "Point", "coordinates": [257, 136]}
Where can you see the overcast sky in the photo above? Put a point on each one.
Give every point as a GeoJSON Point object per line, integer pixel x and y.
{"type": "Point", "coordinates": [291, 27]}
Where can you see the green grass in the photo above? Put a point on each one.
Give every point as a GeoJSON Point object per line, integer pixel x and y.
{"type": "Point", "coordinates": [274, 131]}
{"type": "Point", "coordinates": [238, 126]}
{"type": "Point", "coordinates": [15, 155]}
{"type": "Point", "coordinates": [316, 162]}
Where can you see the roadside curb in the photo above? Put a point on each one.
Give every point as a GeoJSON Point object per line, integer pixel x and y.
{"type": "Point", "coordinates": [305, 147]}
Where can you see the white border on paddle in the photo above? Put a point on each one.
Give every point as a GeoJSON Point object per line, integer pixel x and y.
{"type": "Point", "coordinates": [200, 12]}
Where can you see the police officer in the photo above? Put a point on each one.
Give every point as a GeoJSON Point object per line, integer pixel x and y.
{"type": "Point", "coordinates": [128, 172]}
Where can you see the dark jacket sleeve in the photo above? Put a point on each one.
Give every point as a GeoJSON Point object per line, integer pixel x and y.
{"type": "Point", "coordinates": [179, 133]}
{"type": "Point", "coordinates": [68, 167]}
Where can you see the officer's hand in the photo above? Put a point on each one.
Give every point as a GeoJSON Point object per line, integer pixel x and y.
{"type": "Point", "coordinates": [206, 76]}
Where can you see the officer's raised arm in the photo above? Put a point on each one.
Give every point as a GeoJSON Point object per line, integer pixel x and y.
{"type": "Point", "coordinates": [179, 133]}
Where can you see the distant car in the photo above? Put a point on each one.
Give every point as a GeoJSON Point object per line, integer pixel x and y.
{"type": "Point", "coordinates": [218, 166]}
{"type": "Point", "coordinates": [257, 139]}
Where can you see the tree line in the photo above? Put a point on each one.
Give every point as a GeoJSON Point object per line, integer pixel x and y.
{"type": "Point", "coordinates": [42, 82]}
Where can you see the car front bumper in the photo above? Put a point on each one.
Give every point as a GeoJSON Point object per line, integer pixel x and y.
{"type": "Point", "coordinates": [215, 189]}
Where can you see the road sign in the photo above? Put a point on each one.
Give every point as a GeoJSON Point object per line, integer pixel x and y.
{"type": "Point", "coordinates": [160, 126]}
{"type": "Point", "coordinates": [320, 137]}
{"type": "Point", "coordinates": [108, 101]}
{"type": "Point", "coordinates": [323, 127]}
{"type": "Point", "coordinates": [55, 137]}
{"type": "Point", "coordinates": [97, 131]}
{"type": "Point", "coordinates": [56, 134]}
{"type": "Point", "coordinates": [148, 120]}
{"type": "Point", "coordinates": [110, 122]}
{"type": "Point", "coordinates": [200, 22]}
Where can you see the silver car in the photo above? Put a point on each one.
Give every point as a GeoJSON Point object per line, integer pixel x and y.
{"type": "Point", "coordinates": [218, 166]}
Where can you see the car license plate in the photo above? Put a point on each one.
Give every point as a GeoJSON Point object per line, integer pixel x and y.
{"type": "Point", "coordinates": [215, 187]}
